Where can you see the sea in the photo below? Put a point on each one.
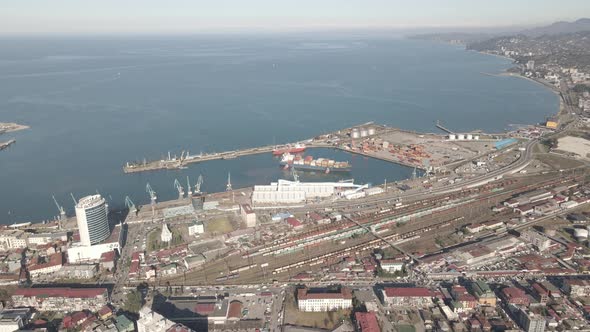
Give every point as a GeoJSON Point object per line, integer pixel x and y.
{"type": "Point", "coordinates": [94, 103]}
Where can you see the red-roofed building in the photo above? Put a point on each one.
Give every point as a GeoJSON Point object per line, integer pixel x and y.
{"type": "Point", "coordinates": [412, 296]}
{"type": "Point", "coordinates": [515, 295]}
{"type": "Point", "coordinates": [324, 299]}
{"type": "Point", "coordinates": [107, 260]}
{"type": "Point", "coordinates": [105, 312]}
{"type": "Point", "coordinates": [52, 264]}
{"type": "Point", "coordinates": [235, 310]}
{"type": "Point", "coordinates": [541, 293]}
{"type": "Point", "coordinates": [134, 269]}
{"type": "Point", "coordinates": [294, 223]}
{"type": "Point", "coordinates": [366, 322]}
{"type": "Point", "coordinates": [66, 299]}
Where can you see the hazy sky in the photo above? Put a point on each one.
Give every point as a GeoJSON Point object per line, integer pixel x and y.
{"type": "Point", "coordinates": [99, 16]}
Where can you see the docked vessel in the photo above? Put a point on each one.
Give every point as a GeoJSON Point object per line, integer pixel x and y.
{"type": "Point", "coordinates": [297, 148]}
{"type": "Point", "coordinates": [309, 164]}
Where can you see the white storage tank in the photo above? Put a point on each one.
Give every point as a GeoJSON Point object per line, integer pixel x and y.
{"type": "Point", "coordinates": [452, 137]}
{"type": "Point", "coordinates": [476, 137]}
{"type": "Point", "coordinates": [469, 136]}
{"type": "Point", "coordinates": [371, 131]}
{"type": "Point", "coordinates": [581, 234]}
{"type": "Point", "coordinates": [355, 133]}
{"type": "Point", "coordinates": [364, 133]}
{"type": "Point", "coordinates": [461, 137]}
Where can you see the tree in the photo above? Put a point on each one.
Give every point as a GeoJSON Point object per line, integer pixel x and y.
{"type": "Point", "coordinates": [134, 302]}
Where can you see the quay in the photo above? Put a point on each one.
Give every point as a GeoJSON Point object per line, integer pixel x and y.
{"type": "Point", "coordinates": [186, 158]}
{"type": "Point", "coordinates": [4, 145]}
{"type": "Point", "coordinates": [407, 148]}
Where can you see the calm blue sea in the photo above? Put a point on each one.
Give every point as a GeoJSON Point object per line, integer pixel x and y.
{"type": "Point", "coordinates": [95, 103]}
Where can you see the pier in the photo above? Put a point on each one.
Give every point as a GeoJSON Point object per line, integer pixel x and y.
{"type": "Point", "coordinates": [443, 128]}
{"type": "Point", "coordinates": [4, 145]}
{"type": "Point", "coordinates": [186, 159]}
{"type": "Point", "coordinates": [408, 148]}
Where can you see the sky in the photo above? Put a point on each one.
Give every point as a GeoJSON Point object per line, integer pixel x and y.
{"type": "Point", "coordinates": [190, 16]}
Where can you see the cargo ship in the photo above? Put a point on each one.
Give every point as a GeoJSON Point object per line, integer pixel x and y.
{"type": "Point", "coordinates": [297, 148]}
{"type": "Point", "coordinates": [310, 164]}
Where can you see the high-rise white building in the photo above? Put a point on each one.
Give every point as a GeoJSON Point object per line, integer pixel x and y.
{"type": "Point", "coordinates": [93, 222]}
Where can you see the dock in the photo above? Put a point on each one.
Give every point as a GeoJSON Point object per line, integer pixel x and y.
{"type": "Point", "coordinates": [443, 128]}
{"type": "Point", "coordinates": [4, 145]}
{"type": "Point", "coordinates": [186, 159]}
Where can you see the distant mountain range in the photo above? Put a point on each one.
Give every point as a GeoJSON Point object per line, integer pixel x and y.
{"type": "Point", "coordinates": [467, 37]}
{"type": "Point", "coordinates": [557, 28]}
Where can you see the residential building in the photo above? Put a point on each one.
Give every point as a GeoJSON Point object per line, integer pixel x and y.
{"type": "Point", "coordinates": [13, 239]}
{"type": "Point", "coordinates": [411, 296]}
{"type": "Point", "coordinates": [539, 241]}
{"type": "Point", "coordinates": [531, 322]}
{"type": "Point", "coordinates": [392, 265]}
{"type": "Point", "coordinates": [248, 215]}
{"type": "Point", "coordinates": [576, 287]}
{"type": "Point", "coordinates": [150, 321]}
{"type": "Point", "coordinates": [324, 299]}
{"type": "Point", "coordinates": [52, 264]}
{"type": "Point", "coordinates": [124, 324]}
{"type": "Point", "coordinates": [483, 292]}
{"type": "Point", "coordinates": [83, 271]}
{"type": "Point", "coordinates": [196, 227]}
{"type": "Point", "coordinates": [366, 322]}
{"type": "Point", "coordinates": [516, 296]}
{"type": "Point", "coordinates": [45, 238]}
{"type": "Point", "coordinates": [66, 299]}
{"type": "Point", "coordinates": [14, 319]}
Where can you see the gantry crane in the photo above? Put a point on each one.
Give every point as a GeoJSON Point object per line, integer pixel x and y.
{"type": "Point", "coordinates": [62, 212]}
{"type": "Point", "coordinates": [188, 188]}
{"type": "Point", "coordinates": [199, 184]}
{"type": "Point", "coordinates": [179, 188]}
{"type": "Point", "coordinates": [130, 205]}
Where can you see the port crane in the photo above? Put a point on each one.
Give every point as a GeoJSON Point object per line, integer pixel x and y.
{"type": "Point", "coordinates": [178, 187]}
{"type": "Point", "coordinates": [199, 184]}
{"type": "Point", "coordinates": [153, 197]}
{"type": "Point", "coordinates": [130, 205]}
{"type": "Point", "coordinates": [152, 193]}
{"type": "Point", "coordinates": [62, 212]}
{"type": "Point", "coordinates": [74, 199]}
{"type": "Point", "coordinates": [188, 187]}
{"type": "Point", "coordinates": [228, 186]}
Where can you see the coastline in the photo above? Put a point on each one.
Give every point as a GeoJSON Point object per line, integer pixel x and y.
{"type": "Point", "coordinates": [506, 73]}
{"type": "Point", "coordinates": [10, 127]}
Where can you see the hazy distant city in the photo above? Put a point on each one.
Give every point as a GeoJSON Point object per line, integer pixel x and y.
{"type": "Point", "coordinates": [313, 167]}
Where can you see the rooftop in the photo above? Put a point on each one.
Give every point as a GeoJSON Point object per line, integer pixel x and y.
{"type": "Point", "coordinates": [407, 292]}
{"type": "Point", "coordinates": [61, 292]}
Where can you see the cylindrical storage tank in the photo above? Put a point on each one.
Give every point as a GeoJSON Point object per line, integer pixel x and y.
{"type": "Point", "coordinates": [469, 136]}
{"type": "Point", "coordinates": [461, 137]}
{"type": "Point", "coordinates": [452, 137]}
{"type": "Point", "coordinates": [364, 133]}
{"type": "Point", "coordinates": [581, 234]}
{"type": "Point", "coordinates": [476, 137]}
{"type": "Point", "coordinates": [355, 133]}
{"type": "Point", "coordinates": [371, 131]}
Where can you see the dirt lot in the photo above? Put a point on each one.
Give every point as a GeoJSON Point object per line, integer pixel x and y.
{"type": "Point", "coordinates": [576, 145]}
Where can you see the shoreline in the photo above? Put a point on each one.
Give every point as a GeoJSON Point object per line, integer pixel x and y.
{"type": "Point", "coordinates": [11, 127]}
{"type": "Point", "coordinates": [506, 73]}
